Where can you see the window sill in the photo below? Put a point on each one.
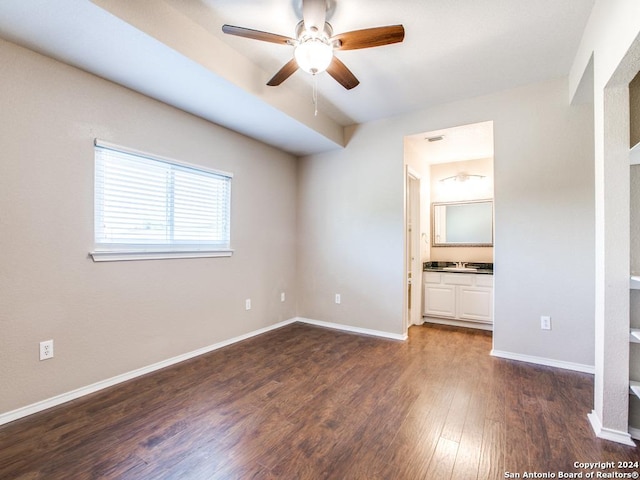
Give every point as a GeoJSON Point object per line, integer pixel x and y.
{"type": "Point", "coordinates": [127, 255]}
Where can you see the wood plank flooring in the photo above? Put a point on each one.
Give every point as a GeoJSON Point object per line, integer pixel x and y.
{"type": "Point", "coordinates": [305, 402]}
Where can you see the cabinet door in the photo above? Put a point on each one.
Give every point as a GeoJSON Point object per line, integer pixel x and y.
{"type": "Point", "coordinates": [475, 303]}
{"type": "Point", "coordinates": [439, 300]}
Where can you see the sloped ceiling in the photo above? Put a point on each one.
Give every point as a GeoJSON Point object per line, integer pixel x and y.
{"type": "Point", "coordinates": [174, 50]}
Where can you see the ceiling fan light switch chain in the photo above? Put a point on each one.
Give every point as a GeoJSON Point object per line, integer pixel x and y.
{"type": "Point", "coordinates": [315, 95]}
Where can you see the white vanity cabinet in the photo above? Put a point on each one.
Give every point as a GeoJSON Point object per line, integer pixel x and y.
{"type": "Point", "coordinates": [458, 298]}
{"type": "Point", "coordinates": [439, 298]}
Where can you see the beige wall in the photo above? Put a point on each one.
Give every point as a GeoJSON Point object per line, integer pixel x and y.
{"type": "Point", "coordinates": [333, 223]}
{"type": "Point", "coordinates": [351, 221]}
{"type": "Point", "coordinates": [607, 60]}
{"type": "Point", "coordinates": [111, 318]}
{"type": "Point", "coordinates": [350, 241]}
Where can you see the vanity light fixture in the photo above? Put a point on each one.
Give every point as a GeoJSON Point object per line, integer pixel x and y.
{"type": "Point", "coordinates": [462, 177]}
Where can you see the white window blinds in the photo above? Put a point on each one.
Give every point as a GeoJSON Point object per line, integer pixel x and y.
{"type": "Point", "coordinates": [146, 203]}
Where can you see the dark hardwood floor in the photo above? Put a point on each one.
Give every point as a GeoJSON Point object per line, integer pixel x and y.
{"type": "Point", "coordinates": [304, 402]}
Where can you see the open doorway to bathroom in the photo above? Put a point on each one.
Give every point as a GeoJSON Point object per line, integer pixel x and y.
{"type": "Point", "coordinates": [452, 282]}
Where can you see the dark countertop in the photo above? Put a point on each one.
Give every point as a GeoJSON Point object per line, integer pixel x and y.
{"type": "Point", "coordinates": [481, 268]}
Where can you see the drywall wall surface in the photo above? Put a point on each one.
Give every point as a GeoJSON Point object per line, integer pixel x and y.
{"type": "Point", "coordinates": [609, 53]}
{"type": "Point", "coordinates": [351, 221]}
{"type": "Point", "coordinates": [111, 318]}
{"type": "Point", "coordinates": [612, 28]}
{"type": "Point", "coordinates": [350, 238]}
{"type": "Point", "coordinates": [544, 228]}
{"type": "Point", "coordinates": [466, 190]}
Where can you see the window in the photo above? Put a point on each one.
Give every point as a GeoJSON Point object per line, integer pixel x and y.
{"type": "Point", "coordinates": [151, 207]}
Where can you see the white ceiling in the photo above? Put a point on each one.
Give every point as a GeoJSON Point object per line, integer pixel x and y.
{"type": "Point", "coordinates": [455, 144]}
{"type": "Point", "coordinates": [174, 50]}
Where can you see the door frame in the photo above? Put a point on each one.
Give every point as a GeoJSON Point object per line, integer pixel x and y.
{"type": "Point", "coordinates": [413, 261]}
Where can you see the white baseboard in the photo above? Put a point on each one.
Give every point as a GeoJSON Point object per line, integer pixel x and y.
{"type": "Point", "coordinates": [349, 328]}
{"type": "Point", "coordinates": [608, 433]}
{"type": "Point", "coordinates": [459, 323]}
{"type": "Point", "coordinates": [80, 392]}
{"type": "Point", "coordinates": [548, 362]}
{"type": "Point", "coordinates": [634, 433]}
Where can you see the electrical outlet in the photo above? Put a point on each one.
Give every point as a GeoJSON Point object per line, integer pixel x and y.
{"type": "Point", "coordinates": [338, 299]}
{"type": "Point", "coordinates": [545, 322]}
{"type": "Point", "coordinates": [282, 297]}
{"type": "Point", "coordinates": [247, 304]}
{"type": "Point", "coordinates": [46, 350]}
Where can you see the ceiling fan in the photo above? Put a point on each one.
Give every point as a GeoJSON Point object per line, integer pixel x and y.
{"type": "Point", "coordinates": [314, 44]}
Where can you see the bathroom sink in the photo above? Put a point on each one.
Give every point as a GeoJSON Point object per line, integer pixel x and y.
{"type": "Point", "coordinates": [460, 269]}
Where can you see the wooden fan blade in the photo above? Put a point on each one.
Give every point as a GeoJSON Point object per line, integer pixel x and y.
{"type": "Point", "coordinates": [342, 74]}
{"type": "Point", "coordinates": [369, 37]}
{"type": "Point", "coordinates": [314, 14]}
{"type": "Point", "coordinates": [257, 35]}
{"type": "Point", "coordinates": [285, 72]}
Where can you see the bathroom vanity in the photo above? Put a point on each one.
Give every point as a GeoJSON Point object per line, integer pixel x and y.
{"type": "Point", "coordinates": [458, 296]}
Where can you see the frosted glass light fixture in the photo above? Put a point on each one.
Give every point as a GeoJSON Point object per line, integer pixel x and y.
{"type": "Point", "coordinates": [313, 55]}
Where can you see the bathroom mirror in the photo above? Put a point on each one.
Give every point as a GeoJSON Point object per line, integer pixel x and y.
{"type": "Point", "coordinates": [462, 224]}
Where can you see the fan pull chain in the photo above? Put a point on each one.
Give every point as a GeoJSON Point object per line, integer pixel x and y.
{"type": "Point", "coordinates": [315, 95]}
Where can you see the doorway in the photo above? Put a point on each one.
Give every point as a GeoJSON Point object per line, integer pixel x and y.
{"type": "Point", "coordinates": [431, 159]}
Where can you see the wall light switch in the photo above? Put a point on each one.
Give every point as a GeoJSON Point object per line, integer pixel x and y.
{"type": "Point", "coordinates": [338, 299]}
{"type": "Point", "coordinates": [282, 297]}
{"type": "Point", "coordinates": [247, 304]}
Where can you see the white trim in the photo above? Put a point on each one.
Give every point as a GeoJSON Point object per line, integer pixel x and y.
{"type": "Point", "coordinates": [634, 388]}
{"type": "Point", "coordinates": [348, 328]}
{"type": "Point", "coordinates": [95, 387]}
{"type": "Point", "coordinates": [549, 362]}
{"type": "Point", "coordinates": [459, 323]}
{"type": "Point", "coordinates": [82, 391]}
{"type": "Point", "coordinates": [608, 433]}
{"type": "Point", "coordinates": [634, 154]}
{"type": "Point", "coordinates": [152, 156]}
{"type": "Point", "coordinates": [125, 255]}
{"type": "Point", "coordinates": [413, 173]}
{"type": "Point", "coordinates": [634, 433]}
